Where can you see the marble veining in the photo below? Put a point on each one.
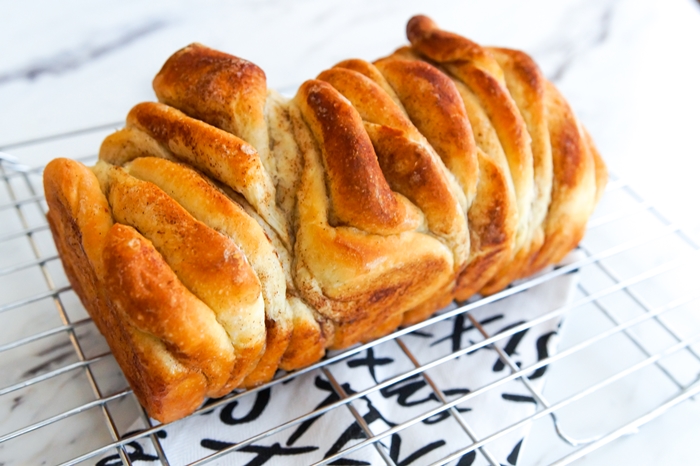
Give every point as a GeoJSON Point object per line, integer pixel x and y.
{"type": "Point", "coordinates": [568, 49]}
{"type": "Point", "coordinates": [69, 60]}
{"type": "Point", "coordinates": [628, 67]}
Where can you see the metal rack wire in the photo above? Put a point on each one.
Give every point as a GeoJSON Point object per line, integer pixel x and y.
{"type": "Point", "coordinates": [611, 271]}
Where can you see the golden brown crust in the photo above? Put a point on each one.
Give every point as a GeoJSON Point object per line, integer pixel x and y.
{"type": "Point", "coordinates": [360, 196]}
{"type": "Point", "coordinates": [349, 275]}
{"type": "Point", "coordinates": [443, 47]}
{"type": "Point", "coordinates": [526, 85]}
{"type": "Point", "coordinates": [412, 170]}
{"type": "Point", "coordinates": [479, 71]}
{"type": "Point", "coordinates": [220, 89]}
{"type": "Point", "coordinates": [408, 162]}
{"type": "Point", "coordinates": [72, 189]}
{"type": "Point", "coordinates": [129, 143]}
{"type": "Point", "coordinates": [410, 165]}
{"type": "Point", "coordinates": [217, 153]}
{"type": "Point", "coordinates": [354, 274]}
{"type": "Point", "coordinates": [149, 297]}
{"type": "Point", "coordinates": [492, 223]}
{"type": "Point", "coordinates": [209, 205]}
{"type": "Point", "coordinates": [435, 104]}
{"type": "Point", "coordinates": [574, 185]}
{"type": "Point", "coordinates": [308, 341]}
{"type": "Point", "coordinates": [601, 170]}
{"type": "Point", "coordinates": [512, 135]}
{"type": "Point", "coordinates": [370, 71]}
{"type": "Point", "coordinates": [80, 222]}
{"type": "Point", "coordinates": [208, 263]}
{"type": "Point", "coordinates": [79, 217]}
{"type": "Point", "coordinates": [369, 201]}
{"type": "Point", "coordinates": [436, 109]}
{"type": "Point", "coordinates": [440, 299]}
{"type": "Point", "coordinates": [371, 101]}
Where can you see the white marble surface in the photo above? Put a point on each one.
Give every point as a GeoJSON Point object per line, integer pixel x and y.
{"type": "Point", "coordinates": [630, 68]}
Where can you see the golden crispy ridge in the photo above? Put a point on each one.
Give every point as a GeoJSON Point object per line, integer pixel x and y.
{"type": "Point", "coordinates": [354, 277]}
{"type": "Point", "coordinates": [574, 183]}
{"type": "Point", "coordinates": [254, 232]}
{"type": "Point", "coordinates": [437, 111]}
{"type": "Point", "coordinates": [601, 170]}
{"type": "Point", "coordinates": [208, 263]}
{"type": "Point", "coordinates": [479, 71]}
{"type": "Point", "coordinates": [212, 207]}
{"type": "Point", "coordinates": [411, 167]}
{"type": "Point", "coordinates": [370, 70]}
{"type": "Point", "coordinates": [144, 289]}
{"type": "Point", "coordinates": [444, 47]}
{"type": "Point", "coordinates": [408, 162]}
{"type": "Point", "coordinates": [217, 88]}
{"type": "Point", "coordinates": [129, 143]}
{"type": "Point", "coordinates": [436, 107]}
{"type": "Point", "coordinates": [526, 85]}
{"type": "Point", "coordinates": [359, 194]}
{"type": "Point", "coordinates": [81, 224]}
{"type": "Point", "coordinates": [309, 338]}
{"type": "Point", "coordinates": [217, 153]}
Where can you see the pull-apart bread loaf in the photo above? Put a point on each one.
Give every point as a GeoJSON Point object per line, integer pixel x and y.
{"type": "Point", "coordinates": [227, 231]}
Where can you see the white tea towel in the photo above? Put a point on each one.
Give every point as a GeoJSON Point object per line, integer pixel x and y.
{"type": "Point", "coordinates": [424, 442]}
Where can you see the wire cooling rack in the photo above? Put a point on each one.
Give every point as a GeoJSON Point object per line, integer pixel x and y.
{"type": "Point", "coordinates": [634, 322]}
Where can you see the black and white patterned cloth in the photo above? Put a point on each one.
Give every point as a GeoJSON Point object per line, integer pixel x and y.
{"type": "Point", "coordinates": [423, 442]}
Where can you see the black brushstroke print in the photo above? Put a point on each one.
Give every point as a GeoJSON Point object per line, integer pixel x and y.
{"type": "Point", "coordinates": [354, 431]}
{"type": "Point", "coordinates": [395, 450]}
{"type": "Point", "coordinates": [513, 456]}
{"type": "Point", "coordinates": [542, 353]}
{"type": "Point", "coordinates": [439, 417]}
{"type": "Point", "coordinates": [467, 459]}
{"type": "Point", "coordinates": [331, 398]}
{"type": "Point", "coordinates": [421, 333]}
{"type": "Point", "coordinates": [370, 361]}
{"type": "Point", "coordinates": [135, 454]}
{"type": "Point", "coordinates": [209, 401]}
{"type": "Point", "coordinates": [518, 398]}
{"type": "Point", "coordinates": [557, 267]}
{"type": "Point", "coordinates": [458, 329]}
{"type": "Point", "coordinates": [216, 445]}
{"type": "Point", "coordinates": [262, 398]}
{"type": "Point", "coordinates": [406, 388]}
{"type": "Point", "coordinates": [512, 344]}
{"type": "Point", "coordinates": [349, 462]}
{"type": "Point", "coordinates": [264, 452]}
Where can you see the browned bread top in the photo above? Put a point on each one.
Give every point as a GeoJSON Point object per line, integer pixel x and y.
{"type": "Point", "coordinates": [359, 193]}
{"type": "Point", "coordinates": [215, 87]}
{"type": "Point", "coordinates": [228, 231]}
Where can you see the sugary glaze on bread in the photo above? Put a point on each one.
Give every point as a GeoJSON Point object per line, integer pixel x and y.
{"type": "Point", "coordinates": [228, 231]}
